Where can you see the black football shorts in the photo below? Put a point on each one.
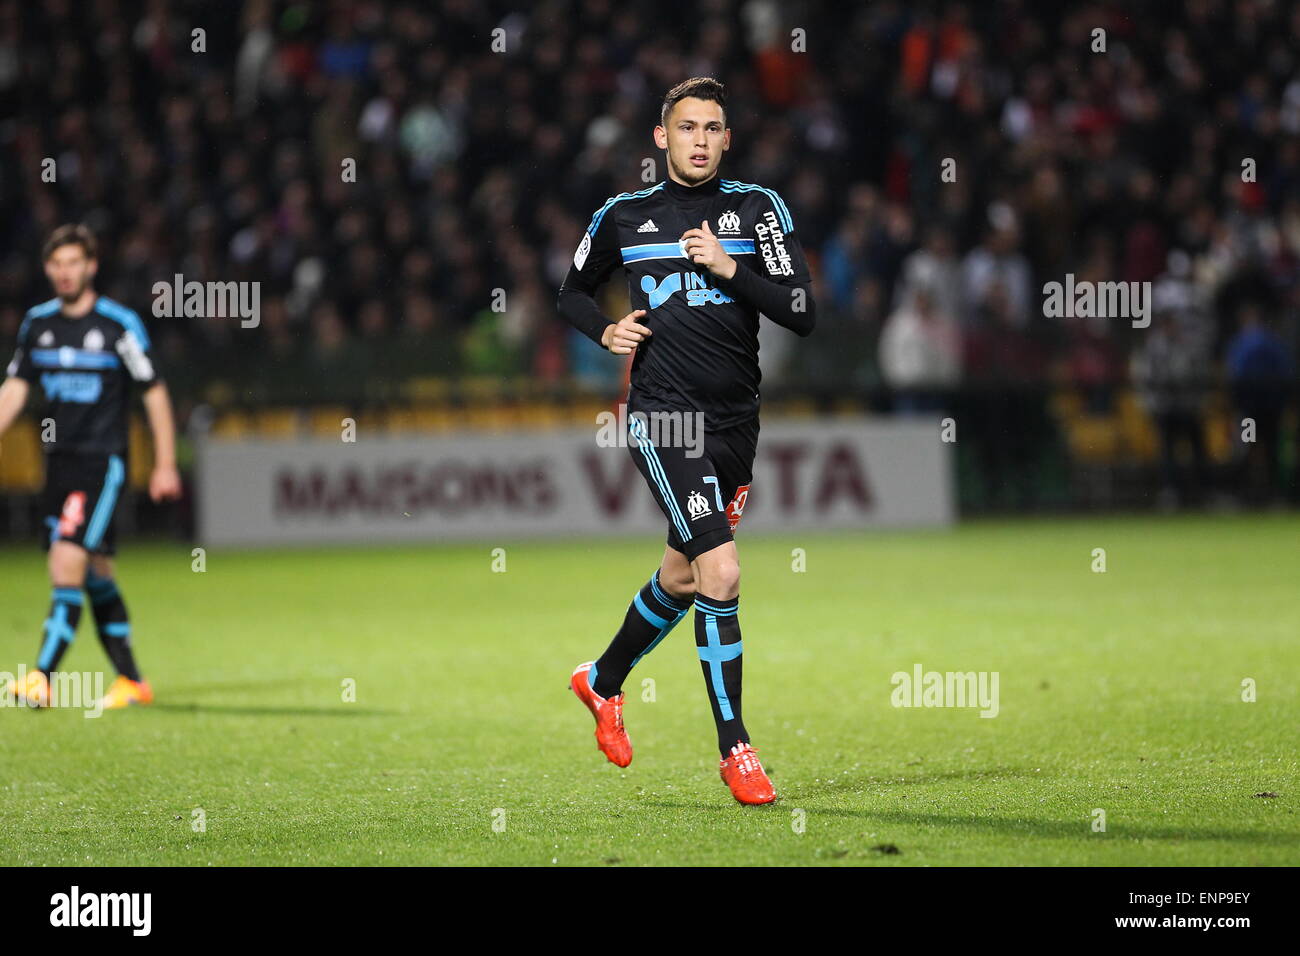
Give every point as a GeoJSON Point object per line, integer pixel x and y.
{"type": "Point", "coordinates": [703, 496]}
{"type": "Point", "coordinates": [80, 499]}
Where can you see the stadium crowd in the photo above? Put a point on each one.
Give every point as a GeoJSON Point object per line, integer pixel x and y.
{"type": "Point", "coordinates": [943, 161]}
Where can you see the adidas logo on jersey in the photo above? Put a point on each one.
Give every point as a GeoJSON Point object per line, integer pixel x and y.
{"type": "Point", "coordinates": [648, 226]}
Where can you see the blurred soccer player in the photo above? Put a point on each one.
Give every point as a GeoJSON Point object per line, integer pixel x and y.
{"type": "Point", "coordinates": [704, 257]}
{"type": "Point", "coordinates": [84, 350]}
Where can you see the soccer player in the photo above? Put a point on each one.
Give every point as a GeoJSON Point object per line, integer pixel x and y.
{"type": "Point", "coordinates": [704, 256]}
{"type": "Point", "coordinates": [85, 350]}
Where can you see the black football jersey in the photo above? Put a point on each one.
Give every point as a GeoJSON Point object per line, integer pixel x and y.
{"type": "Point", "coordinates": [84, 368]}
{"type": "Point", "coordinates": [703, 353]}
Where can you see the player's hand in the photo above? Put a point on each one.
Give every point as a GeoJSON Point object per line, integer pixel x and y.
{"type": "Point", "coordinates": [703, 248]}
{"type": "Point", "coordinates": [164, 484]}
{"type": "Point", "coordinates": [626, 334]}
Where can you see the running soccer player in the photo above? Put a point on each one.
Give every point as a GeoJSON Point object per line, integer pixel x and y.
{"type": "Point", "coordinates": [704, 257]}
{"type": "Point", "coordinates": [84, 350]}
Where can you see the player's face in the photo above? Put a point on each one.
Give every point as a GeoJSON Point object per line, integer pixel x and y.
{"type": "Point", "coordinates": [69, 271]}
{"type": "Point", "coordinates": [695, 137]}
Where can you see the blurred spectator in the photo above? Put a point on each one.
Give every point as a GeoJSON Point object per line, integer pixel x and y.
{"type": "Point", "coordinates": [1171, 369]}
{"type": "Point", "coordinates": [996, 261]}
{"type": "Point", "coordinates": [920, 353]}
{"type": "Point", "coordinates": [1259, 369]}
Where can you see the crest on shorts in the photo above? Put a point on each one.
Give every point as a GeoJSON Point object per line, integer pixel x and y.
{"type": "Point", "coordinates": [697, 505]}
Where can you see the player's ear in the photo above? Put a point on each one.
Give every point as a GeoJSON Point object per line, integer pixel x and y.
{"type": "Point", "coordinates": [93, 268]}
{"type": "Point", "coordinates": [661, 137]}
{"type": "Point", "coordinates": [726, 139]}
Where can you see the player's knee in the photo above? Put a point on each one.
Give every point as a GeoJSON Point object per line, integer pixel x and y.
{"type": "Point", "coordinates": [67, 566]}
{"type": "Point", "coordinates": [720, 578]}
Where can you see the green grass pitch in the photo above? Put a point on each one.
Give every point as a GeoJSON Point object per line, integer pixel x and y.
{"type": "Point", "coordinates": [1119, 691]}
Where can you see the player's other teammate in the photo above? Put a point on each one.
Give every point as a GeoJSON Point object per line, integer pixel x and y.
{"type": "Point", "coordinates": [704, 256]}
{"type": "Point", "coordinates": [84, 350]}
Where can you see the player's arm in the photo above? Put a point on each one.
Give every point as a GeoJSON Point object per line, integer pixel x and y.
{"type": "Point", "coordinates": [782, 290]}
{"type": "Point", "coordinates": [138, 359]}
{"type": "Point", "coordinates": [13, 393]}
{"type": "Point", "coordinates": [597, 256]}
{"type": "Point", "coordinates": [13, 396]}
{"type": "Point", "coordinates": [165, 481]}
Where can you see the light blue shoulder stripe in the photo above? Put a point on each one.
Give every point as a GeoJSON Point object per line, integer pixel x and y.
{"type": "Point", "coordinates": [49, 307]}
{"type": "Point", "coordinates": [600, 213]}
{"type": "Point", "coordinates": [124, 317]}
{"type": "Point", "coordinates": [732, 186]}
{"type": "Point", "coordinates": [45, 308]}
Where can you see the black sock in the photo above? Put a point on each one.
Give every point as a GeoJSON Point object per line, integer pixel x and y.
{"type": "Point", "coordinates": [60, 627]}
{"type": "Point", "coordinates": [717, 638]}
{"type": "Point", "coordinates": [650, 616]}
{"type": "Point", "coordinates": [112, 623]}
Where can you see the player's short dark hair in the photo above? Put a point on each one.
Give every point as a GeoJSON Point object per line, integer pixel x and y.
{"type": "Point", "coordinates": [71, 234]}
{"type": "Point", "coordinates": [700, 87]}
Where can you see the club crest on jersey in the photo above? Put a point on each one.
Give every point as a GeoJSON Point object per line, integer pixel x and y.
{"type": "Point", "coordinates": [729, 221]}
{"type": "Point", "coordinates": [94, 341]}
{"type": "Point", "coordinates": [697, 505]}
{"type": "Point", "coordinates": [696, 286]}
{"type": "Point", "coordinates": [47, 338]}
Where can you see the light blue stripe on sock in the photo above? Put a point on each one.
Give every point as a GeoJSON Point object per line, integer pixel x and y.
{"type": "Point", "coordinates": [668, 626]}
{"type": "Point", "coordinates": [714, 654]}
{"type": "Point", "coordinates": [662, 595]}
{"type": "Point", "coordinates": [648, 614]}
{"type": "Point", "coordinates": [57, 631]}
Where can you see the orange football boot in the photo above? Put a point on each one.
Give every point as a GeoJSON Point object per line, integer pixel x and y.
{"type": "Point", "coordinates": [124, 692]}
{"type": "Point", "coordinates": [745, 775]}
{"type": "Point", "coordinates": [34, 691]}
{"type": "Point", "coordinates": [611, 738]}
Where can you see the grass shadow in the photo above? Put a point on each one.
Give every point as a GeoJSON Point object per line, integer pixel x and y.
{"type": "Point", "coordinates": [235, 710]}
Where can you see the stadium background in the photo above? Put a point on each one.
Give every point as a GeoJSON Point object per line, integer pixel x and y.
{"type": "Point", "coordinates": [478, 170]}
{"type": "Point", "coordinates": [392, 705]}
